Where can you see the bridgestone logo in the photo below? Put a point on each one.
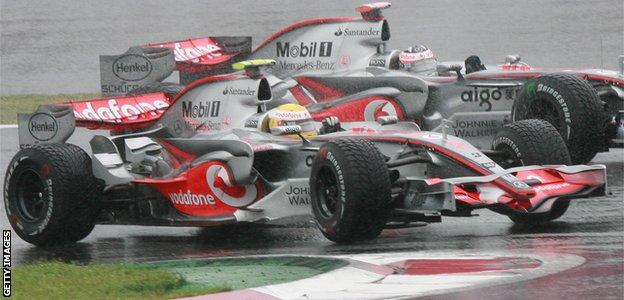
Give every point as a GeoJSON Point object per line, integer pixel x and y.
{"type": "Point", "coordinates": [510, 143]}
{"type": "Point", "coordinates": [562, 102]}
{"type": "Point", "coordinates": [191, 199]}
{"type": "Point", "coordinates": [341, 181]}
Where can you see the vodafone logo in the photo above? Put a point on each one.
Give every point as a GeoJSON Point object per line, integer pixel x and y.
{"type": "Point", "coordinates": [378, 108]}
{"type": "Point", "coordinates": [224, 189]}
{"type": "Point", "coordinates": [201, 50]}
{"type": "Point", "coordinates": [117, 110]}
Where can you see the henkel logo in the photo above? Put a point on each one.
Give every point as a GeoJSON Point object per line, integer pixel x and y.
{"type": "Point", "coordinates": [132, 67]}
{"type": "Point", "coordinates": [189, 198]}
{"type": "Point", "coordinates": [312, 49]}
{"type": "Point", "coordinates": [116, 110]}
{"type": "Point", "coordinates": [42, 126]}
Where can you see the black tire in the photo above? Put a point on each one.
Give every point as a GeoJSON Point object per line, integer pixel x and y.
{"type": "Point", "coordinates": [50, 194]}
{"type": "Point", "coordinates": [571, 105]}
{"type": "Point", "coordinates": [533, 142]}
{"type": "Point", "coordinates": [528, 219]}
{"type": "Point", "coordinates": [169, 88]}
{"type": "Point", "coordinates": [350, 190]}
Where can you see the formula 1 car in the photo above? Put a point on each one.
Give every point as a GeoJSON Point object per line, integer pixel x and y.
{"type": "Point", "coordinates": [341, 67]}
{"type": "Point", "coordinates": [215, 154]}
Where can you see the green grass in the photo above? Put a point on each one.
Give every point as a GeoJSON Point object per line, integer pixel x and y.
{"type": "Point", "coordinates": [241, 273]}
{"type": "Point", "coordinates": [160, 280]}
{"type": "Point", "coordinates": [57, 280]}
{"type": "Point", "coordinates": [10, 105]}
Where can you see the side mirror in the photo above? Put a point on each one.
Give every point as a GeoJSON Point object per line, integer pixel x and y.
{"type": "Point", "coordinates": [512, 59]}
{"type": "Point", "coordinates": [252, 67]}
{"type": "Point", "coordinates": [387, 120]}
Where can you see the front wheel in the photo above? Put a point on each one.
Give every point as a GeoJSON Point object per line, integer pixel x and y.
{"type": "Point", "coordinates": [533, 142]}
{"type": "Point", "coordinates": [50, 194]}
{"type": "Point", "coordinates": [350, 190]}
{"type": "Point", "coordinates": [530, 142]}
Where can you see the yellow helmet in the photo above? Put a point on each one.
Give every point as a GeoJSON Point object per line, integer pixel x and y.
{"type": "Point", "coordinates": [291, 118]}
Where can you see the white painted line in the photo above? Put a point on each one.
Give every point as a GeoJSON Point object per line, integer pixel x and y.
{"type": "Point", "coordinates": [8, 126]}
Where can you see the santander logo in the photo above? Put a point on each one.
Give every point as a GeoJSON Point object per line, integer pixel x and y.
{"type": "Point", "coordinates": [145, 107]}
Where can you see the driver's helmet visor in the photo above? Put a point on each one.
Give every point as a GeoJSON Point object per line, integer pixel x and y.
{"type": "Point", "coordinates": [290, 115]}
{"type": "Point", "coordinates": [306, 125]}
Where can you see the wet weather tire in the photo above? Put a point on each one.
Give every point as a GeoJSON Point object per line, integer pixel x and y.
{"type": "Point", "coordinates": [571, 105]}
{"type": "Point", "coordinates": [350, 190]}
{"type": "Point", "coordinates": [528, 219]}
{"type": "Point", "coordinates": [50, 194]}
{"type": "Point", "coordinates": [531, 142]}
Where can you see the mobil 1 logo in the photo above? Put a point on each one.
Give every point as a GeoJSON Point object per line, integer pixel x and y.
{"type": "Point", "coordinates": [304, 49]}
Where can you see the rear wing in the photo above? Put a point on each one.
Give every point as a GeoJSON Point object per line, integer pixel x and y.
{"type": "Point", "coordinates": [55, 123]}
{"type": "Point", "coordinates": [192, 58]}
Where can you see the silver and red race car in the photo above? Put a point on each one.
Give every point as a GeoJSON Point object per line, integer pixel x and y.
{"type": "Point", "coordinates": [225, 150]}
{"type": "Point", "coordinates": [341, 67]}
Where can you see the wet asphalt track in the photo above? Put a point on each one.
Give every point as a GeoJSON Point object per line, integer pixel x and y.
{"type": "Point", "coordinates": [42, 40]}
{"type": "Point", "coordinates": [592, 228]}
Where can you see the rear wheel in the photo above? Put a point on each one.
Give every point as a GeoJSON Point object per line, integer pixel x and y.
{"type": "Point", "coordinates": [51, 196]}
{"type": "Point", "coordinates": [533, 142]}
{"type": "Point", "coordinates": [571, 105]}
{"type": "Point", "coordinates": [350, 190]}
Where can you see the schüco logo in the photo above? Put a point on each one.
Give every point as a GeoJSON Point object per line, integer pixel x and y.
{"type": "Point", "coordinates": [312, 49]}
{"type": "Point", "coordinates": [237, 91]}
{"type": "Point", "coordinates": [43, 127]}
{"type": "Point", "coordinates": [132, 67]}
